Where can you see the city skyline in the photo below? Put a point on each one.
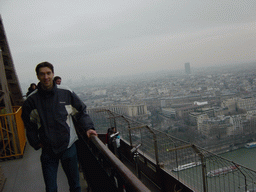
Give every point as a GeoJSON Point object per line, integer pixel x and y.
{"type": "Point", "coordinates": [138, 78]}
{"type": "Point", "coordinates": [111, 38]}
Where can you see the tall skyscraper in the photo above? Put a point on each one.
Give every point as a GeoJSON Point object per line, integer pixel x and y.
{"type": "Point", "coordinates": [187, 68]}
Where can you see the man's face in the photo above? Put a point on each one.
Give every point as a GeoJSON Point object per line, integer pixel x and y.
{"type": "Point", "coordinates": [45, 76]}
{"type": "Point", "coordinates": [58, 81]}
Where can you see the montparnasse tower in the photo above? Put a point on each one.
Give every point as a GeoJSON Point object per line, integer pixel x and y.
{"type": "Point", "coordinates": [187, 68]}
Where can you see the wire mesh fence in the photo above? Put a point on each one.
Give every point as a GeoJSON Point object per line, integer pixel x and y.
{"type": "Point", "coordinates": [195, 167]}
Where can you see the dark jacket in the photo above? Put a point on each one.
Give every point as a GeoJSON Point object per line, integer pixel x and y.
{"type": "Point", "coordinates": [30, 90]}
{"type": "Point", "coordinates": [47, 116]}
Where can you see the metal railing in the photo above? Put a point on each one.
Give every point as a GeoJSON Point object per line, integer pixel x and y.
{"type": "Point", "coordinates": [102, 169]}
{"type": "Point", "coordinates": [12, 134]}
{"type": "Point", "coordinates": [125, 173]}
{"type": "Point", "coordinates": [196, 168]}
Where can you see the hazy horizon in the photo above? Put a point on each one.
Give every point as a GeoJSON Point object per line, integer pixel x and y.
{"type": "Point", "coordinates": [98, 39]}
{"type": "Point", "coordinates": [150, 76]}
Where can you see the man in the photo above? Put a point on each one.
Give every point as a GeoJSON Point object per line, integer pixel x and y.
{"type": "Point", "coordinates": [46, 114]}
{"type": "Point", "coordinates": [57, 80]}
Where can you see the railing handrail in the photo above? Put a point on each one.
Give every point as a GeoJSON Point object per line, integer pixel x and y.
{"type": "Point", "coordinates": [135, 183]}
{"type": "Point", "coordinates": [18, 108]}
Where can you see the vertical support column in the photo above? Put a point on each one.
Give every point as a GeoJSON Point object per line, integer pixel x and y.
{"type": "Point", "coordinates": [4, 84]}
{"type": "Point", "coordinates": [205, 185]}
{"type": "Point", "coordinates": [10, 124]}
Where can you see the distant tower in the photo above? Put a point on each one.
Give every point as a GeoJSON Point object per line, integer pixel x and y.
{"type": "Point", "coordinates": [187, 68]}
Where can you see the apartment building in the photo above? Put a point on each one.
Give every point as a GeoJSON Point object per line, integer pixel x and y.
{"type": "Point", "coordinates": [212, 127]}
{"type": "Point", "coordinates": [246, 103]}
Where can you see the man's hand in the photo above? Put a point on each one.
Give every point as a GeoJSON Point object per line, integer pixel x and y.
{"type": "Point", "coordinates": [91, 132]}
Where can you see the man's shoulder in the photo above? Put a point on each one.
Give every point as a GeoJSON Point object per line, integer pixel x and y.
{"type": "Point", "coordinates": [63, 88]}
{"type": "Point", "coordinates": [32, 93]}
{"type": "Point", "coordinates": [31, 96]}
{"type": "Point", "coordinates": [30, 100]}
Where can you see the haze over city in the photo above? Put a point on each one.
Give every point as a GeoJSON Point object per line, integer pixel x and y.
{"type": "Point", "coordinates": [176, 79]}
{"type": "Point", "coordinates": [97, 39]}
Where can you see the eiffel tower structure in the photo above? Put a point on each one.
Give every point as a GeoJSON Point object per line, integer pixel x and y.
{"type": "Point", "coordinates": [12, 133]}
{"type": "Point", "coordinates": [10, 91]}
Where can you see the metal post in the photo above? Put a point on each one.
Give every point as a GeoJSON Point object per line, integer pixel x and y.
{"type": "Point", "coordinates": [203, 167]}
{"type": "Point", "coordinates": [135, 152]}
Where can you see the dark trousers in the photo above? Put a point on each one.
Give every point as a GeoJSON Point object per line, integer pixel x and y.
{"type": "Point", "coordinates": [50, 163]}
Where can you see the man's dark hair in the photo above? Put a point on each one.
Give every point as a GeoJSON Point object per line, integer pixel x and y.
{"type": "Point", "coordinates": [44, 64]}
{"type": "Point", "coordinates": [56, 78]}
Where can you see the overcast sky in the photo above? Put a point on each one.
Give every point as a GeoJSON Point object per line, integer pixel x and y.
{"type": "Point", "coordinates": [100, 38]}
